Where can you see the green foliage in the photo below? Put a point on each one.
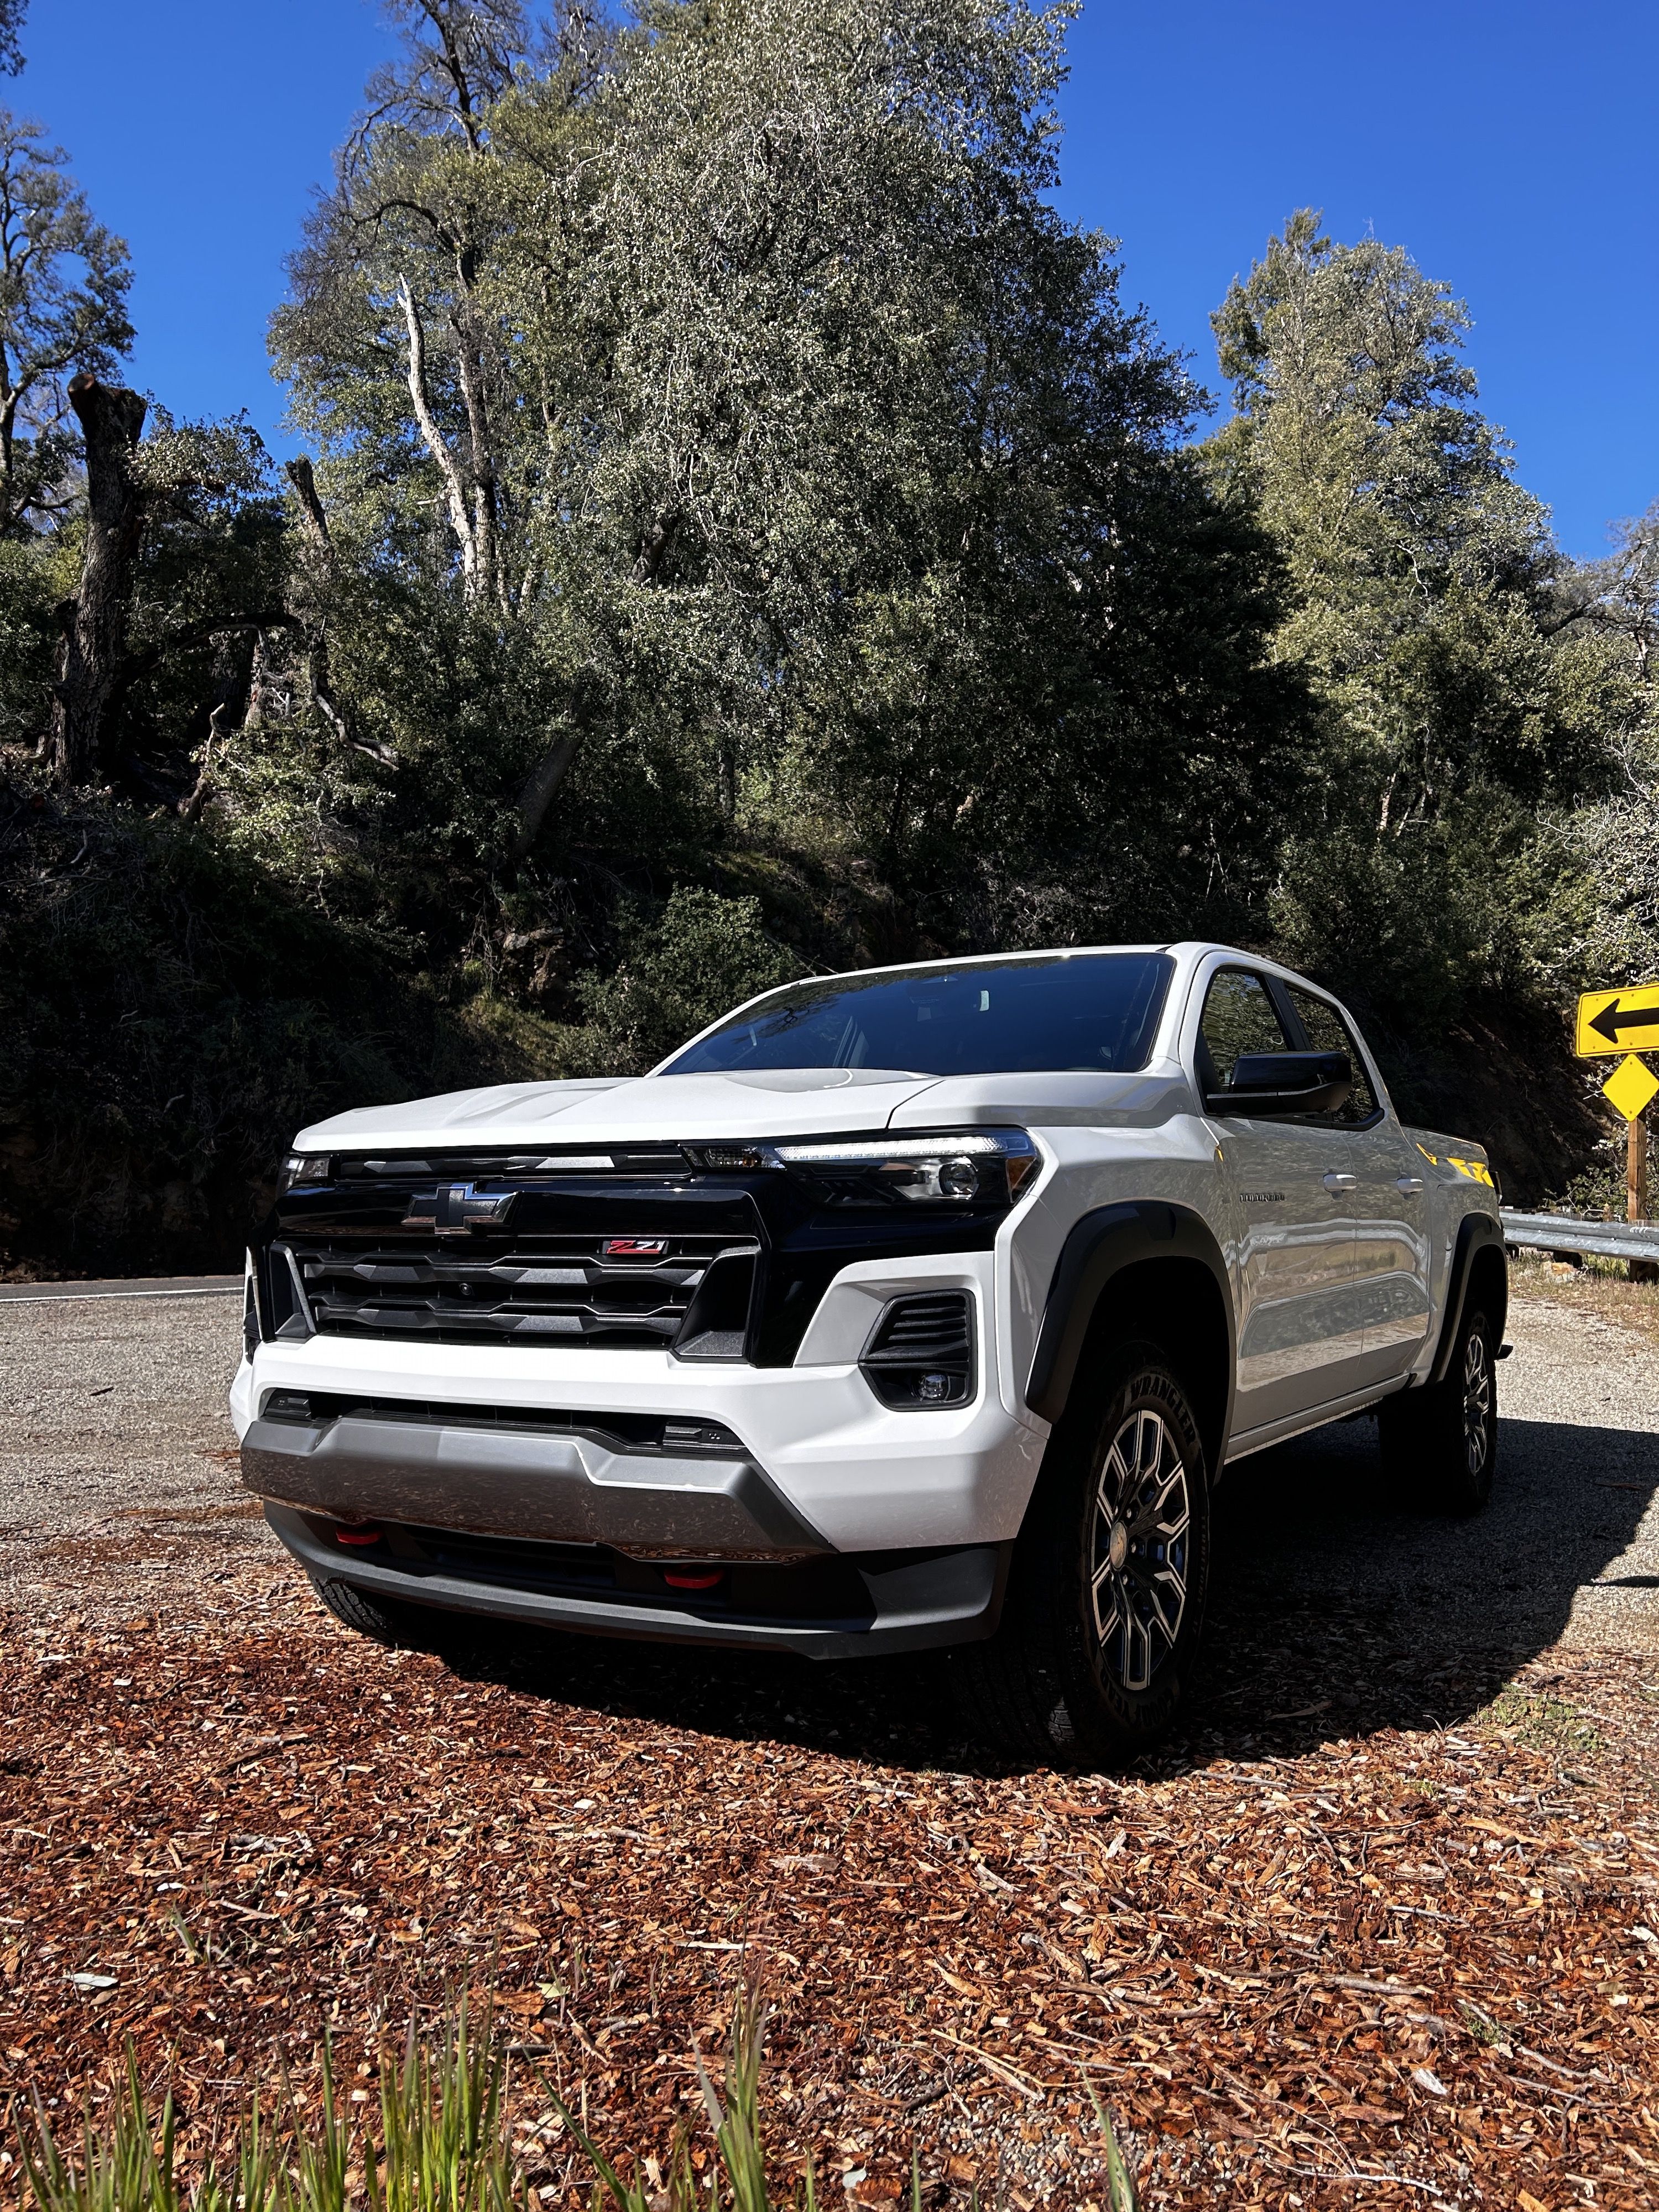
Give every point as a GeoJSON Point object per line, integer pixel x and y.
{"type": "Point", "coordinates": [31, 583]}
{"type": "Point", "coordinates": [751, 532]}
{"type": "Point", "coordinates": [174, 1014]}
{"type": "Point", "coordinates": [12, 13]}
{"type": "Point", "coordinates": [1462, 686]}
{"type": "Point", "coordinates": [736, 381]}
{"type": "Point", "coordinates": [444, 2146]}
{"type": "Point", "coordinates": [1121, 2192]}
{"type": "Point", "coordinates": [1419, 565]}
{"type": "Point", "coordinates": [702, 955]}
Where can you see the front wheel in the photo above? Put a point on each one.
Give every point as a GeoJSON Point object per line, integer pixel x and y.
{"type": "Point", "coordinates": [1440, 1445]}
{"type": "Point", "coordinates": [1106, 1599]}
{"type": "Point", "coordinates": [388, 1621]}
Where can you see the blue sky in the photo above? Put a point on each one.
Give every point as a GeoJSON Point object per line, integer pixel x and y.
{"type": "Point", "coordinates": [1507, 144]}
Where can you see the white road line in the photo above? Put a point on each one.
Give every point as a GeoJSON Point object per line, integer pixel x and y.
{"type": "Point", "coordinates": [59, 1297]}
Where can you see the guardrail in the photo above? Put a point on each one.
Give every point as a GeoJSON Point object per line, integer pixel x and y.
{"type": "Point", "coordinates": [1564, 1232]}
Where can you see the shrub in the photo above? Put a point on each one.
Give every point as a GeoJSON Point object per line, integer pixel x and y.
{"type": "Point", "coordinates": [700, 955]}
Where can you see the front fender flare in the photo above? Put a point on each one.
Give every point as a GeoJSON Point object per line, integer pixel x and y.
{"type": "Point", "coordinates": [1100, 1246]}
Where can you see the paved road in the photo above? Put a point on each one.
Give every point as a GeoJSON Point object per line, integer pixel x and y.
{"type": "Point", "coordinates": [118, 1489]}
{"type": "Point", "coordinates": [118, 1484]}
{"type": "Point", "coordinates": [126, 1286]}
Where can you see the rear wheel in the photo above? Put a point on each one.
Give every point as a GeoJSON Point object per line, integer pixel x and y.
{"type": "Point", "coordinates": [1106, 1599]}
{"type": "Point", "coordinates": [1440, 1445]}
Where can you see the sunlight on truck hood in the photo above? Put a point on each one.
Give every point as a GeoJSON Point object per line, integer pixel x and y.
{"type": "Point", "coordinates": [771, 1101]}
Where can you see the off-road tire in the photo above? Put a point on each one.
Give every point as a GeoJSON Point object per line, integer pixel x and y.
{"type": "Point", "coordinates": [1440, 1445]}
{"type": "Point", "coordinates": [1106, 1594]}
{"type": "Point", "coordinates": [387, 1620]}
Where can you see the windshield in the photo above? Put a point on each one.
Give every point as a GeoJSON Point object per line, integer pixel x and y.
{"type": "Point", "coordinates": [1092, 1009]}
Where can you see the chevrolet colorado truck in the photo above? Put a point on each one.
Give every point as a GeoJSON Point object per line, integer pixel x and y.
{"type": "Point", "coordinates": [923, 1306]}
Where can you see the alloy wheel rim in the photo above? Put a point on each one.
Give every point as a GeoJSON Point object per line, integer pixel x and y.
{"type": "Point", "coordinates": [1477, 1403]}
{"type": "Point", "coordinates": [1140, 1531]}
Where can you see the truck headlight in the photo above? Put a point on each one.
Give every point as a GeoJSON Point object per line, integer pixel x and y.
{"type": "Point", "coordinates": [303, 1166]}
{"type": "Point", "coordinates": [949, 1167]}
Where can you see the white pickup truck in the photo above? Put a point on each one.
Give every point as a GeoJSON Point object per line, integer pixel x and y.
{"type": "Point", "coordinates": [916, 1307]}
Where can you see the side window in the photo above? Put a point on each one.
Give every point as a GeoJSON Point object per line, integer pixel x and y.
{"type": "Point", "coordinates": [1328, 1032]}
{"type": "Point", "coordinates": [1238, 1016]}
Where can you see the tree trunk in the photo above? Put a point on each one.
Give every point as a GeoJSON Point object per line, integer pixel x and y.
{"type": "Point", "coordinates": [728, 775]}
{"type": "Point", "coordinates": [455, 491]}
{"type": "Point", "coordinates": [486, 491]}
{"type": "Point", "coordinates": [540, 789]}
{"type": "Point", "coordinates": [89, 686]}
{"type": "Point", "coordinates": [308, 596]}
{"type": "Point", "coordinates": [303, 478]}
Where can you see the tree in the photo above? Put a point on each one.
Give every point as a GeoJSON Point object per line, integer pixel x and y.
{"type": "Point", "coordinates": [64, 282]}
{"type": "Point", "coordinates": [1418, 560]}
{"type": "Point", "coordinates": [1426, 611]}
{"type": "Point", "coordinates": [391, 335]}
{"type": "Point", "coordinates": [786, 448]}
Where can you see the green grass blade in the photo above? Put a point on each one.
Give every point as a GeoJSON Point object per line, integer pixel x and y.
{"type": "Point", "coordinates": [1120, 2196]}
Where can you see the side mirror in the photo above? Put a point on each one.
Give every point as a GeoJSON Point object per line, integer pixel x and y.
{"type": "Point", "coordinates": [1272, 1083]}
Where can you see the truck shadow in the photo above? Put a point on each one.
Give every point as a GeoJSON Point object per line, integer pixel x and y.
{"type": "Point", "coordinates": [1334, 1613]}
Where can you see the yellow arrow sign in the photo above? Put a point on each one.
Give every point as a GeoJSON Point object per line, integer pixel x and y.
{"type": "Point", "coordinates": [1618, 1021]}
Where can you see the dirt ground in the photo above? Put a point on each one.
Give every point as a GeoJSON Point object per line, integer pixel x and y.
{"type": "Point", "coordinates": [1382, 1927]}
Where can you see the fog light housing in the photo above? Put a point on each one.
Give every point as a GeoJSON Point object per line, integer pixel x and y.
{"type": "Point", "coordinates": [287, 1406]}
{"type": "Point", "coordinates": [919, 1356]}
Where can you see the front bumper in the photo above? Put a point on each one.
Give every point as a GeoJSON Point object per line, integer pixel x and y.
{"type": "Point", "coordinates": [573, 1489]}
{"type": "Point", "coordinates": [910, 1602]}
{"type": "Point", "coordinates": [907, 1515]}
{"type": "Point", "coordinates": [859, 1476]}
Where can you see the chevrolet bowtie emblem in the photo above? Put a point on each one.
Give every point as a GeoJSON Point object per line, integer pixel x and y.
{"type": "Point", "coordinates": [456, 1207]}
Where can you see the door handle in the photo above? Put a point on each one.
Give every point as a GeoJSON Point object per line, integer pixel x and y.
{"type": "Point", "coordinates": [1336, 1181]}
{"type": "Point", "coordinates": [1409, 1186]}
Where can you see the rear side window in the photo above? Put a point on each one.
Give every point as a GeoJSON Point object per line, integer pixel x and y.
{"type": "Point", "coordinates": [1328, 1032]}
{"type": "Point", "coordinates": [1238, 1016]}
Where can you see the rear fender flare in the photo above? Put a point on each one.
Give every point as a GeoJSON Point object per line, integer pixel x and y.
{"type": "Point", "coordinates": [1101, 1246]}
{"type": "Point", "coordinates": [1477, 1233]}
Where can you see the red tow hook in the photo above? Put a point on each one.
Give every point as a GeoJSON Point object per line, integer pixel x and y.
{"type": "Point", "coordinates": [369, 1533]}
{"type": "Point", "coordinates": [692, 1577]}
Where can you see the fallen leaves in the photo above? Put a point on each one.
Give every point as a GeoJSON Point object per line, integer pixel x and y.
{"type": "Point", "coordinates": [1403, 1955]}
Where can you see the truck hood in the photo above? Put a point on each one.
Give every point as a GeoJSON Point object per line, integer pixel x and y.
{"type": "Point", "coordinates": [769, 1102]}
{"type": "Point", "coordinates": [783, 1102]}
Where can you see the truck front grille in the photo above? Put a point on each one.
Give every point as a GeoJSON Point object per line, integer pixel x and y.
{"type": "Point", "coordinates": [538, 1291]}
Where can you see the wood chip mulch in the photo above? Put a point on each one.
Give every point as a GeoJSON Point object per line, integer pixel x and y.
{"type": "Point", "coordinates": [1410, 1965]}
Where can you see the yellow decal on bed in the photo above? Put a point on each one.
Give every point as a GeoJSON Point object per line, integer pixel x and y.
{"type": "Point", "coordinates": [1476, 1170]}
